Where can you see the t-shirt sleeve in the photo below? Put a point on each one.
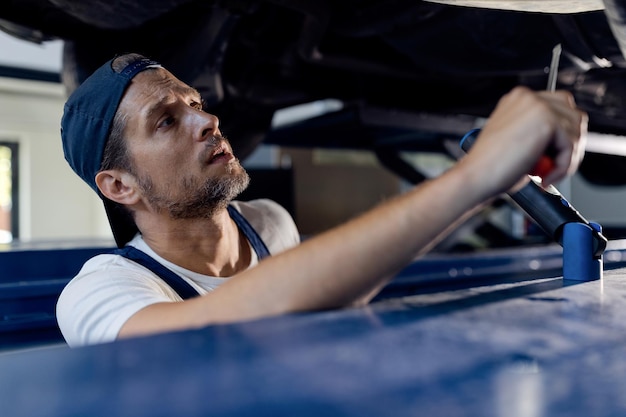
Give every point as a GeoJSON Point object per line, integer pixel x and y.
{"type": "Point", "coordinates": [107, 291]}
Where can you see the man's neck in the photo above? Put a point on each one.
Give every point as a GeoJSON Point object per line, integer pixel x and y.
{"type": "Point", "coordinates": [213, 246]}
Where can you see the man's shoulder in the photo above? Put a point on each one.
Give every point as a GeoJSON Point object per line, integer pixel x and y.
{"type": "Point", "coordinates": [104, 264]}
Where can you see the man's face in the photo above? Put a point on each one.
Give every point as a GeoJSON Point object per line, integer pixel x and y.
{"type": "Point", "coordinates": [182, 163]}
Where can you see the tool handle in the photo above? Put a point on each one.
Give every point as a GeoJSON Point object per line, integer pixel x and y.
{"type": "Point", "coordinates": [546, 206]}
{"type": "Point", "coordinates": [543, 167]}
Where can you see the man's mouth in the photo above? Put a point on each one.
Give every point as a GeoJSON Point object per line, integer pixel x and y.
{"type": "Point", "coordinates": [220, 155]}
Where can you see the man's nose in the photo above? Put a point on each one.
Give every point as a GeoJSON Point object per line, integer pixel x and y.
{"type": "Point", "coordinates": [208, 126]}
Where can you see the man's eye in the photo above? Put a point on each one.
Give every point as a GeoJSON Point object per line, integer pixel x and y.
{"type": "Point", "coordinates": [198, 105]}
{"type": "Point", "coordinates": [168, 121]}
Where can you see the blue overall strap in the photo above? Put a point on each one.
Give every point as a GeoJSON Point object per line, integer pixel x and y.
{"type": "Point", "coordinates": [253, 237]}
{"type": "Point", "coordinates": [182, 287]}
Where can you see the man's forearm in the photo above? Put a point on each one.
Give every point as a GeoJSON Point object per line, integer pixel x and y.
{"type": "Point", "coordinates": [344, 264]}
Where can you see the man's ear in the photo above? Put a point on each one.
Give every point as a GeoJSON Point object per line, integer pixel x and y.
{"type": "Point", "coordinates": [118, 186]}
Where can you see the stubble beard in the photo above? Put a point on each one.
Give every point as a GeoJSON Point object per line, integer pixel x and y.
{"type": "Point", "coordinates": [198, 200]}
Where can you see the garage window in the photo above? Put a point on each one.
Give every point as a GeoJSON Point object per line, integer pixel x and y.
{"type": "Point", "coordinates": [8, 192]}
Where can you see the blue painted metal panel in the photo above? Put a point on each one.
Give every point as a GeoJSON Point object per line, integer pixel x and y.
{"type": "Point", "coordinates": [31, 279]}
{"type": "Point", "coordinates": [531, 346]}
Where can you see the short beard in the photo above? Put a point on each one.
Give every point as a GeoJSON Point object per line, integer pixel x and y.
{"type": "Point", "coordinates": [202, 200]}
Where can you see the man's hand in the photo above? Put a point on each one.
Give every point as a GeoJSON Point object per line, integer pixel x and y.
{"type": "Point", "coordinates": [522, 128]}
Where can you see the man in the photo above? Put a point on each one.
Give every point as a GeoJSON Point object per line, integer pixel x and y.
{"type": "Point", "coordinates": [168, 189]}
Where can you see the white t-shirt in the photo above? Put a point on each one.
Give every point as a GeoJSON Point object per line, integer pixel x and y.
{"type": "Point", "coordinates": [109, 289]}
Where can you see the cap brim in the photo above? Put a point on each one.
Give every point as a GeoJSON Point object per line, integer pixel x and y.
{"type": "Point", "coordinates": [121, 221]}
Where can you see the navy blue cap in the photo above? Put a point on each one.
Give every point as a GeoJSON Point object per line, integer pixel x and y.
{"type": "Point", "coordinates": [85, 128]}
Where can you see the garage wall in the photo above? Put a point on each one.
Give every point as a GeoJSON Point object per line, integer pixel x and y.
{"type": "Point", "coordinates": [54, 202]}
{"type": "Point", "coordinates": [333, 186]}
